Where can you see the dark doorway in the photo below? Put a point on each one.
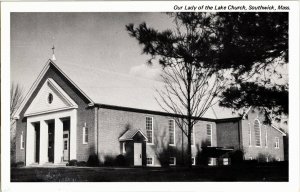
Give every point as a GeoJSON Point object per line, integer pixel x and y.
{"type": "Point", "coordinates": [51, 141]}
{"type": "Point", "coordinates": [37, 142]}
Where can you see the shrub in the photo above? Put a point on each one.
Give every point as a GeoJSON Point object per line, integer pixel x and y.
{"type": "Point", "coordinates": [120, 160]}
{"type": "Point", "coordinates": [72, 162]}
{"type": "Point", "coordinates": [93, 161]}
{"type": "Point", "coordinates": [18, 164]}
{"type": "Point", "coordinates": [81, 164]}
{"type": "Point", "coordinates": [237, 157]}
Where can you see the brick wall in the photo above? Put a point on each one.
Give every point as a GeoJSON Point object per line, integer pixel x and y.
{"type": "Point", "coordinates": [84, 114]}
{"type": "Point", "coordinates": [228, 134]}
{"type": "Point", "coordinates": [112, 123]}
{"type": "Point", "coordinates": [266, 149]}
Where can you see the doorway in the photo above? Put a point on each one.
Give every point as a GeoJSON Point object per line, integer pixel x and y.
{"type": "Point", "coordinates": [66, 139]}
{"type": "Point", "coordinates": [36, 142]}
{"type": "Point", "coordinates": [51, 141]}
{"type": "Point", "coordinates": [138, 154]}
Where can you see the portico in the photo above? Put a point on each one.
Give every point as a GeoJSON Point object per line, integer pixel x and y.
{"type": "Point", "coordinates": [47, 139]}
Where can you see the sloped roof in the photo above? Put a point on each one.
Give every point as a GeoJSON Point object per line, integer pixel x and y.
{"type": "Point", "coordinates": [111, 88]}
{"type": "Point", "coordinates": [130, 133]}
{"type": "Point", "coordinates": [117, 89]}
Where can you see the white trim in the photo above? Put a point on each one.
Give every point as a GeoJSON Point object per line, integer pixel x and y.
{"type": "Point", "coordinates": [131, 137]}
{"type": "Point", "coordinates": [174, 161]}
{"type": "Point", "coordinates": [277, 143]}
{"type": "Point", "coordinates": [123, 148]}
{"type": "Point", "coordinates": [278, 130]}
{"type": "Point", "coordinates": [210, 161]}
{"type": "Point", "coordinates": [146, 139]}
{"type": "Point", "coordinates": [193, 161]}
{"type": "Point", "coordinates": [60, 92]}
{"type": "Point", "coordinates": [244, 115]}
{"type": "Point", "coordinates": [174, 133]}
{"type": "Point", "coordinates": [152, 142]}
{"type": "Point", "coordinates": [16, 115]}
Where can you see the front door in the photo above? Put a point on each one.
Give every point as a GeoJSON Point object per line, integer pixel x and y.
{"type": "Point", "coordinates": [66, 145]}
{"type": "Point", "coordinates": [137, 154]}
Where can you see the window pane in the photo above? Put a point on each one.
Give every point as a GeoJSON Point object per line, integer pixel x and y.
{"type": "Point", "coordinates": [149, 161]}
{"type": "Point", "coordinates": [257, 133]}
{"type": "Point", "coordinates": [86, 135]}
{"type": "Point", "coordinates": [65, 145]}
{"type": "Point", "coordinates": [172, 161]}
{"type": "Point", "coordinates": [149, 129]}
{"type": "Point", "coordinates": [209, 134]}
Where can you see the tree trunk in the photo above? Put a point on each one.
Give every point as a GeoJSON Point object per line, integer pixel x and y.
{"type": "Point", "coordinates": [189, 117]}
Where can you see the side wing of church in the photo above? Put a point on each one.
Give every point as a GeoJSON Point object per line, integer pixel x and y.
{"type": "Point", "coordinates": [59, 121]}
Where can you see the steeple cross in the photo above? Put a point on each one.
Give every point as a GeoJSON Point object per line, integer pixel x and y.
{"type": "Point", "coordinates": [53, 49]}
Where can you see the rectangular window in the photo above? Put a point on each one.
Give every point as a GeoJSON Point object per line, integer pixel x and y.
{"type": "Point", "coordinates": [22, 144]}
{"type": "Point", "coordinates": [193, 161]}
{"type": "Point", "coordinates": [225, 161]}
{"type": "Point", "coordinates": [85, 135]}
{"type": "Point", "coordinates": [150, 161]}
{"type": "Point", "coordinates": [266, 137]}
{"type": "Point", "coordinates": [249, 134]}
{"type": "Point", "coordinates": [276, 143]}
{"type": "Point", "coordinates": [149, 129]}
{"type": "Point", "coordinates": [209, 134]}
{"type": "Point", "coordinates": [171, 132]}
{"type": "Point", "coordinates": [172, 161]}
{"type": "Point", "coordinates": [192, 137]}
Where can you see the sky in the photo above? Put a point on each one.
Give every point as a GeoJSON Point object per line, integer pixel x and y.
{"type": "Point", "coordinates": [97, 40]}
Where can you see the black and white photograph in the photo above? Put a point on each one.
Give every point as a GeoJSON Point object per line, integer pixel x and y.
{"type": "Point", "coordinates": [184, 95]}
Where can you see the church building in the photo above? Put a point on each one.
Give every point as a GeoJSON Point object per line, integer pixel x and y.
{"type": "Point", "coordinates": [74, 112]}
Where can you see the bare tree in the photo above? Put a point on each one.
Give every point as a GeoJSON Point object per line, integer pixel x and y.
{"type": "Point", "coordinates": [188, 54]}
{"type": "Point", "coordinates": [16, 96]}
{"type": "Point", "coordinates": [189, 92]}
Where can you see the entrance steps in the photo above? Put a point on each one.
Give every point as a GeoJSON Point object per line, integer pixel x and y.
{"type": "Point", "coordinates": [62, 164]}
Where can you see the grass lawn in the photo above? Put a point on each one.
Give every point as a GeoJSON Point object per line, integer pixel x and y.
{"type": "Point", "coordinates": [107, 174]}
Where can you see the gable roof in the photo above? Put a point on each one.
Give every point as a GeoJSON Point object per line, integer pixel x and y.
{"type": "Point", "coordinates": [130, 133]}
{"type": "Point", "coordinates": [61, 100]}
{"type": "Point", "coordinates": [120, 90]}
{"type": "Point", "coordinates": [36, 83]}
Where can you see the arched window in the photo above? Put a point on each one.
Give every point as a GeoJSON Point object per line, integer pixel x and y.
{"type": "Point", "coordinates": [257, 133]}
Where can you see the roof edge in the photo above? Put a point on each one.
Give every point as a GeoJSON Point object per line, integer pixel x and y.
{"type": "Point", "coordinates": [137, 110]}
{"type": "Point", "coordinates": [16, 115]}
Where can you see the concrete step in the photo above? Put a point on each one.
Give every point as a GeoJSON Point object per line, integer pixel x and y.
{"type": "Point", "coordinates": [62, 164]}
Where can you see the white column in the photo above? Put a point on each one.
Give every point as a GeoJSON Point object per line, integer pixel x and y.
{"type": "Point", "coordinates": [73, 134]}
{"type": "Point", "coordinates": [43, 142]}
{"type": "Point", "coordinates": [29, 143]}
{"type": "Point", "coordinates": [58, 140]}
